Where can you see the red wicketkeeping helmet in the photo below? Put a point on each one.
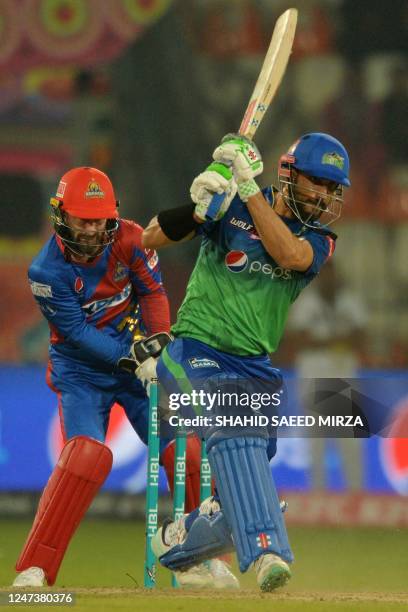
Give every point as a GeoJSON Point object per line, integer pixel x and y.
{"type": "Point", "coordinates": [86, 193]}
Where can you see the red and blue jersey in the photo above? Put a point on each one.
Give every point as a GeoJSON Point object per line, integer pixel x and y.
{"type": "Point", "coordinates": [95, 309]}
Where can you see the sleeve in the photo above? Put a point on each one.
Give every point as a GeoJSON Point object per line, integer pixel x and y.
{"type": "Point", "coordinates": [207, 228]}
{"type": "Point", "coordinates": [60, 306]}
{"type": "Point", "coordinates": [146, 279]}
{"type": "Point", "coordinates": [323, 246]}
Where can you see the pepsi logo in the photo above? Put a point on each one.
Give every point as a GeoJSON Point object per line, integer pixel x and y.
{"type": "Point", "coordinates": [79, 284]}
{"type": "Point", "coordinates": [236, 261]}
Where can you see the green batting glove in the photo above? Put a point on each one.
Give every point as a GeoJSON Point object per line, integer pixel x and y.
{"type": "Point", "coordinates": [241, 154]}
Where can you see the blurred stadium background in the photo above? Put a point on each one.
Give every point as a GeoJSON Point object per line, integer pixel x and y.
{"type": "Point", "coordinates": [144, 90]}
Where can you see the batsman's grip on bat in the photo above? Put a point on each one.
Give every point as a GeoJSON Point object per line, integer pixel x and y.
{"type": "Point", "coordinates": [243, 157]}
{"type": "Point", "coordinates": [217, 179]}
{"type": "Point", "coordinates": [142, 358]}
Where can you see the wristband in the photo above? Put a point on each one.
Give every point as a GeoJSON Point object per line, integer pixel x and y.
{"type": "Point", "coordinates": [247, 189]}
{"type": "Point", "coordinates": [177, 223]}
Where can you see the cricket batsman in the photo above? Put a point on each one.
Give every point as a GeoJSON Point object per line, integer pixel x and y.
{"type": "Point", "coordinates": [259, 252]}
{"type": "Point", "coordinates": [102, 295]}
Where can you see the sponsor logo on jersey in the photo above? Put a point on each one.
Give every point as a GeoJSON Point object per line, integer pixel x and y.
{"type": "Point", "coordinates": [79, 284]}
{"type": "Point", "coordinates": [41, 290]}
{"type": "Point", "coordinates": [269, 270]}
{"type": "Point", "coordinates": [120, 271]}
{"type": "Point", "coordinates": [94, 191]}
{"type": "Point", "coordinates": [247, 227]}
{"type": "Point", "coordinates": [93, 307]}
{"type": "Point", "coordinates": [241, 224]}
{"type": "Point", "coordinates": [197, 363]}
{"type": "Point", "coordinates": [236, 261]}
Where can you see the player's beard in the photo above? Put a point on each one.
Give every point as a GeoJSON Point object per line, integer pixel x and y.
{"type": "Point", "coordinates": [90, 245]}
{"type": "Point", "coordinates": [308, 209]}
{"type": "Point", "coordinates": [308, 215]}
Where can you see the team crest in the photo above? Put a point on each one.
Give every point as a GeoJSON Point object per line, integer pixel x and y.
{"type": "Point", "coordinates": [120, 271]}
{"type": "Point", "coordinates": [333, 159]}
{"type": "Point", "coordinates": [94, 191]}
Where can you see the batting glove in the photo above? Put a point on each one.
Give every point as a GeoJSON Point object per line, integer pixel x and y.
{"type": "Point", "coordinates": [216, 179]}
{"type": "Point", "coordinates": [242, 155]}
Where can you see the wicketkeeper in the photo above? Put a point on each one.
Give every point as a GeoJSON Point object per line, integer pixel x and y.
{"type": "Point", "coordinates": [102, 295]}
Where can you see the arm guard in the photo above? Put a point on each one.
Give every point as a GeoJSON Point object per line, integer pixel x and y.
{"type": "Point", "coordinates": [177, 223]}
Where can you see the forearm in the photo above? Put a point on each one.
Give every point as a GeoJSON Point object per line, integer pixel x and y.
{"type": "Point", "coordinates": [285, 248]}
{"type": "Point", "coordinates": [96, 344]}
{"type": "Point", "coordinates": [155, 312]}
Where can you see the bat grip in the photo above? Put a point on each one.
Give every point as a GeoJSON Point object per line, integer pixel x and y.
{"type": "Point", "coordinates": [215, 206]}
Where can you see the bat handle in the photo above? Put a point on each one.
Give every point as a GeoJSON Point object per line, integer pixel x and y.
{"type": "Point", "coordinates": [215, 206]}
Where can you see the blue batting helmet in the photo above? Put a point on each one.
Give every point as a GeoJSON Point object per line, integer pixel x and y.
{"type": "Point", "coordinates": [320, 155]}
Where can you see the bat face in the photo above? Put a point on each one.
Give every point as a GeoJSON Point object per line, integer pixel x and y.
{"type": "Point", "coordinates": [272, 72]}
{"type": "Point", "coordinates": [269, 79]}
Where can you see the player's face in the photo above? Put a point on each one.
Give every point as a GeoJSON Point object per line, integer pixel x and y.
{"type": "Point", "coordinates": [87, 233]}
{"type": "Point", "coordinates": [313, 195]}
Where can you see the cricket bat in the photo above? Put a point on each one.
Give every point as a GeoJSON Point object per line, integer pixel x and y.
{"type": "Point", "coordinates": [270, 77]}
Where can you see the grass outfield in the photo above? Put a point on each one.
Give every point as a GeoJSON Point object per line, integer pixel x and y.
{"type": "Point", "coordinates": [336, 569]}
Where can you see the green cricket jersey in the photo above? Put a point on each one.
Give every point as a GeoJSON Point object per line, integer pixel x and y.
{"type": "Point", "coordinates": [237, 298]}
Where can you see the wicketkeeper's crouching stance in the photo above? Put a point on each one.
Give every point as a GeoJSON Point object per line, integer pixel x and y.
{"type": "Point", "coordinates": [257, 254]}
{"type": "Point", "coordinates": [108, 313]}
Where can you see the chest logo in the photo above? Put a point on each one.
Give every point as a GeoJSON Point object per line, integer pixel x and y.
{"type": "Point", "coordinates": [79, 284]}
{"type": "Point", "coordinates": [236, 261]}
{"type": "Point", "coordinates": [241, 224]}
{"type": "Point", "coordinates": [120, 271]}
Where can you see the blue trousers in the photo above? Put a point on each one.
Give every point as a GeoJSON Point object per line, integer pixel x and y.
{"type": "Point", "coordinates": [188, 363]}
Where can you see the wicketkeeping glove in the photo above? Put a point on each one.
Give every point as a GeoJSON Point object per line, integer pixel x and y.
{"type": "Point", "coordinates": [143, 356]}
{"type": "Point", "coordinates": [217, 178]}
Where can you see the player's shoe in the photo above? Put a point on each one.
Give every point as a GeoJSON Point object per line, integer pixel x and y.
{"type": "Point", "coordinates": [271, 571]}
{"type": "Point", "coordinates": [210, 574]}
{"type": "Point", "coordinates": [31, 577]}
{"type": "Point", "coordinates": [223, 578]}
